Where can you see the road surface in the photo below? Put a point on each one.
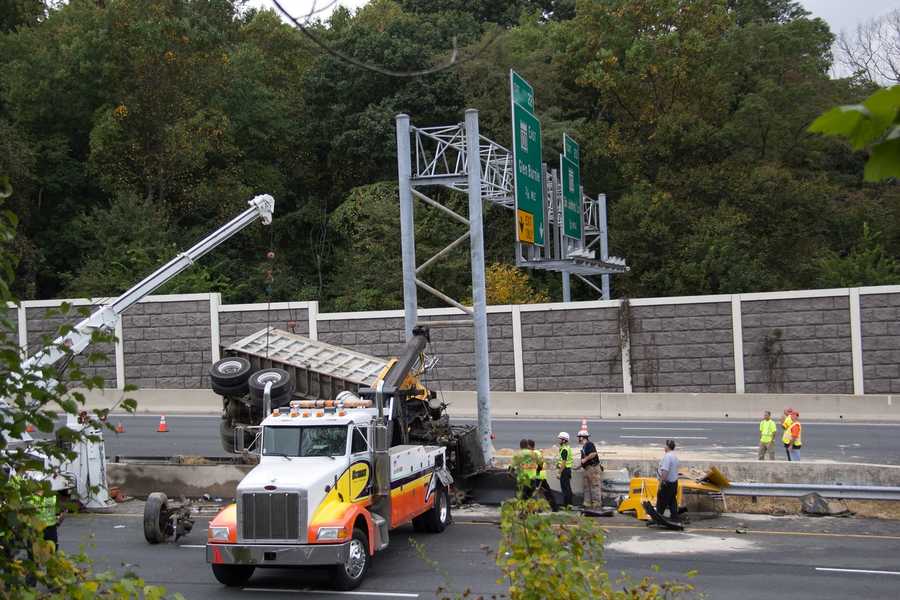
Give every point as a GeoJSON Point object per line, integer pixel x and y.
{"type": "Point", "coordinates": [848, 442]}
{"type": "Point", "coordinates": [816, 558]}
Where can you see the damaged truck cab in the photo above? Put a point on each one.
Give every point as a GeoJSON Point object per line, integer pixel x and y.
{"type": "Point", "coordinates": [327, 491]}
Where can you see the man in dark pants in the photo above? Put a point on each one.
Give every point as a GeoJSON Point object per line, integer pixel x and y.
{"type": "Point", "coordinates": [564, 466]}
{"type": "Point", "coordinates": [666, 497]}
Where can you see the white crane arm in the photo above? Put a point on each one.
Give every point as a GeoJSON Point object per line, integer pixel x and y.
{"type": "Point", "coordinates": [105, 318]}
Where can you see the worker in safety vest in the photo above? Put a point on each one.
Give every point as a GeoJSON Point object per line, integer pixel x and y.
{"type": "Point", "coordinates": [564, 466]}
{"type": "Point", "coordinates": [767, 430]}
{"type": "Point", "coordinates": [525, 468]}
{"type": "Point", "coordinates": [593, 471]}
{"type": "Point", "coordinates": [786, 423]}
{"type": "Point", "coordinates": [540, 484]}
{"type": "Point", "coordinates": [796, 432]}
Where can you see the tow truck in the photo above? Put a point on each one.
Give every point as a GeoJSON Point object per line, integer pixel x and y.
{"type": "Point", "coordinates": [84, 477]}
{"type": "Point", "coordinates": [334, 477]}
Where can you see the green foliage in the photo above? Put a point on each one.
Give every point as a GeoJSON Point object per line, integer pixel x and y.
{"type": "Point", "coordinates": [509, 285]}
{"type": "Point", "coordinates": [866, 264]}
{"type": "Point", "coordinates": [874, 124]}
{"type": "Point", "coordinates": [561, 556]}
{"type": "Point", "coordinates": [29, 568]}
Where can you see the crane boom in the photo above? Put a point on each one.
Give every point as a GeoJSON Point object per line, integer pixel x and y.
{"type": "Point", "coordinates": [105, 318]}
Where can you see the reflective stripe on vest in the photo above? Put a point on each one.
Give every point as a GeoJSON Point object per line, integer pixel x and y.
{"type": "Point", "coordinates": [526, 462]}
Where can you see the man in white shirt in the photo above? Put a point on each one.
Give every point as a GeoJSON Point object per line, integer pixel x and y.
{"type": "Point", "coordinates": [666, 497]}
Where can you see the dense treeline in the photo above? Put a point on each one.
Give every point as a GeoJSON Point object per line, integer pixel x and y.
{"type": "Point", "coordinates": [129, 128]}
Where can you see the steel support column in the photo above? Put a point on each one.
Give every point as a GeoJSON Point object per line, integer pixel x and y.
{"type": "Point", "coordinates": [407, 226]}
{"type": "Point", "coordinates": [604, 244]}
{"type": "Point", "coordinates": [479, 295]}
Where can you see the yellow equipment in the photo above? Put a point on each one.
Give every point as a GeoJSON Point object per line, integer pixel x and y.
{"type": "Point", "coordinates": [644, 489]}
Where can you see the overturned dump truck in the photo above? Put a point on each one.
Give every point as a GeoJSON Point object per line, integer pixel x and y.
{"type": "Point", "coordinates": [298, 368]}
{"type": "Point", "coordinates": [339, 468]}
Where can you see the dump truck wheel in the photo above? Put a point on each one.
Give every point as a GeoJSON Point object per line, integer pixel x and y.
{"type": "Point", "coordinates": [281, 383]}
{"type": "Point", "coordinates": [156, 518]}
{"type": "Point", "coordinates": [230, 372]}
{"type": "Point", "coordinates": [437, 519]}
{"type": "Point", "coordinates": [233, 575]}
{"type": "Point", "coordinates": [349, 575]}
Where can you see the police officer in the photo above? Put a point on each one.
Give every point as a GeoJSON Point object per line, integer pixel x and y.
{"type": "Point", "coordinates": [564, 466]}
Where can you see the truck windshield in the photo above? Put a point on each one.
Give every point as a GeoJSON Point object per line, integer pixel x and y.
{"type": "Point", "coordinates": [305, 441]}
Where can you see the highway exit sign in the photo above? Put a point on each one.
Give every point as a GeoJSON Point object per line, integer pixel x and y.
{"type": "Point", "coordinates": [527, 177]}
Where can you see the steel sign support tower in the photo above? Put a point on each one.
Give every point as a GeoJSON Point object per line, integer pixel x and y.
{"type": "Point", "coordinates": [407, 226]}
{"type": "Point", "coordinates": [479, 292]}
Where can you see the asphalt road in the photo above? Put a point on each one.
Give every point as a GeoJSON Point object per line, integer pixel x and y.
{"type": "Point", "coordinates": [849, 442]}
{"type": "Point", "coordinates": [836, 559]}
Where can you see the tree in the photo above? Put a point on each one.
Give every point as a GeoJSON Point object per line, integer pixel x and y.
{"type": "Point", "coordinates": [29, 568]}
{"type": "Point", "coordinates": [872, 52]}
{"type": "Point", "coordinates": [508, 285]}
{"type": "Point", "coordinates": [866, 264]}
{"type": "Point", "coordinates": [874, 124]}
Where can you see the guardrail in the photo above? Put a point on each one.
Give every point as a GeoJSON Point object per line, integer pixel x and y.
{"type": "Point", "coordinates": [792, 490]}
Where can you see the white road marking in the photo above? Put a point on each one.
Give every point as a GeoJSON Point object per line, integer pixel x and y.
{"type": "Point", "coordinates": [663, 429]}
{"type": "Point", "coordinates": [860, 571]}
{"type": "Point", "coordinates": [192, 545]}
{"type": "Point", "coordinates": [657, 437]}
{"type": "Point", "coordinates": [335, 593]}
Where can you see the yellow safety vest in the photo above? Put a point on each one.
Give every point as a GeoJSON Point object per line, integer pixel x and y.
{"type": "Point", "coordinates": [525, 461]}
{"type": "Point", "coordinates": [766, 431]}
{"type": "Point", "coordinates": [539, 458]}
{"type": "Point", "coordinates": [565, 458]}
{"type": "Point", "coordinates": [786, 426]}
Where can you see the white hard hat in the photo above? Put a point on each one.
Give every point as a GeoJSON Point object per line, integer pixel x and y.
{"type": "Point", "coordinates": [584, 433]}
{"type": "Point", "coordinates": [563, 436]}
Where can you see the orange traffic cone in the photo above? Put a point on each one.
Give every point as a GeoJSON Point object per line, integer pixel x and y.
{"type": "Point", "coordinates": [29, 428]}
{"type": "Point", "coordinates": [584, 424]}
{"type": "Point", "coordinates": [163, 428]}
{"type": "Point", "coordinates": [120, 427]}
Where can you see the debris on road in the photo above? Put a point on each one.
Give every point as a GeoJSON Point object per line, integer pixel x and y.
{"type": "Point", "coordinates": [815, 505]}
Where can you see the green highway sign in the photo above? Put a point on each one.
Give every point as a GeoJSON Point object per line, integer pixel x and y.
{"type": "Point", "coordinates": [526, 143]}
{"type": "Point", "coordinates": [522, 92]}
{"type": "Point", "coordinates": [571, 149]}
{"type": "Point", "coordinates": [570, 174]}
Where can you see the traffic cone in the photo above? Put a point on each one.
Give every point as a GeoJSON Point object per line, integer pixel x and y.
{"type": "Point", "coordinates": [120, 427]}
{"type": "Point", "coordinates": [29, 428]}
{"type": "Point", "coordinates": [163, 428]}
{"type": "Point", "coordinates": [584, 424]}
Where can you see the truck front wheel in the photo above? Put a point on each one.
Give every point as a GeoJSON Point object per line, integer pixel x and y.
{"type": "Point", "coordinates": [233, 575]}
{"type": "Point", "coordinates": [437, 519]}
{"type": "Point", "coordinates": [349, 575]}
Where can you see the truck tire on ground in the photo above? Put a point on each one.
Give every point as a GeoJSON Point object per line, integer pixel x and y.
{"type": "Point", "coordinates": [281, 384]}
{"type": "Point", "coordinates": [230, 372]}
{"type": "Point", "coordinates": [349, 575]}
{"type": "Point", "coordinates": [233, 575]}
{"type": "Point", "coordinates": [156, 518]}
{"type": "Point", "coordinates": [437, 519]}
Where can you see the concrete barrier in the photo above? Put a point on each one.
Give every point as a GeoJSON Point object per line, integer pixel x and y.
{"type": "Point", "coordinates": [576, 405]}
{"type": "Point", "coordinates": [192, 481]}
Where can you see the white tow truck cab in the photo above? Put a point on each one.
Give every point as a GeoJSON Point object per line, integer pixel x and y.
{"type": "Point", "coordinates": [316, 497]}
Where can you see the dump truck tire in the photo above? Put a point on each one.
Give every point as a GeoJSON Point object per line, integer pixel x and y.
{"type": "Point", "coordinates": [349, 575]}
{"type": "Point", "coordinates": [230, 372]}
{"type": "Point", "coordinates": [233, 575]}
{"type": "Point", "coordinates": [437, 519]}
{"type": "Point", "coordinates": [156, 518]}
{"type": "Point", "coordinates": [281, 384]}
{"type": "Point", "coordinates": [229, 392]}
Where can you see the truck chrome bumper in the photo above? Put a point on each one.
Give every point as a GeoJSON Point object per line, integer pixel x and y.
{"type": "Point", "coordinates": [281, 555]}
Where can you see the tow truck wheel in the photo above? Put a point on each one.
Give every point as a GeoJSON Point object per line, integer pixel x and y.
{"type": "Point", "coordinates": [437, 519]}
{"type": "Point", "coordinates": [233, 575]}
{"type": "Point", "coordinates": [349, 575]}
{"type": "Point", "coordinates": [156, 518]}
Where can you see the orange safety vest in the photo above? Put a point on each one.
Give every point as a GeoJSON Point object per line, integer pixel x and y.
{"type": "Point", "coordinates": [796, 435]}
{"type": "Point", "coordinates": [786, 426]}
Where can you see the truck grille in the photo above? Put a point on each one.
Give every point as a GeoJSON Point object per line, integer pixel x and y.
{"type": "Point", "coordinates": [270, 516]}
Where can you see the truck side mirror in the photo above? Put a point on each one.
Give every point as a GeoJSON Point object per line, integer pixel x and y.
{"type": "Point", "coordinates": [247, 439]}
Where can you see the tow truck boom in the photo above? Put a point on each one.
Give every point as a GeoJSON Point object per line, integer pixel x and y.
{"type": "Point", "coordinates": [104, 319]}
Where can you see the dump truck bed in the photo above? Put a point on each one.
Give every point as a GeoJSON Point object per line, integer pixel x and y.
{"type": "Point", "coordinates": [319, 370]}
